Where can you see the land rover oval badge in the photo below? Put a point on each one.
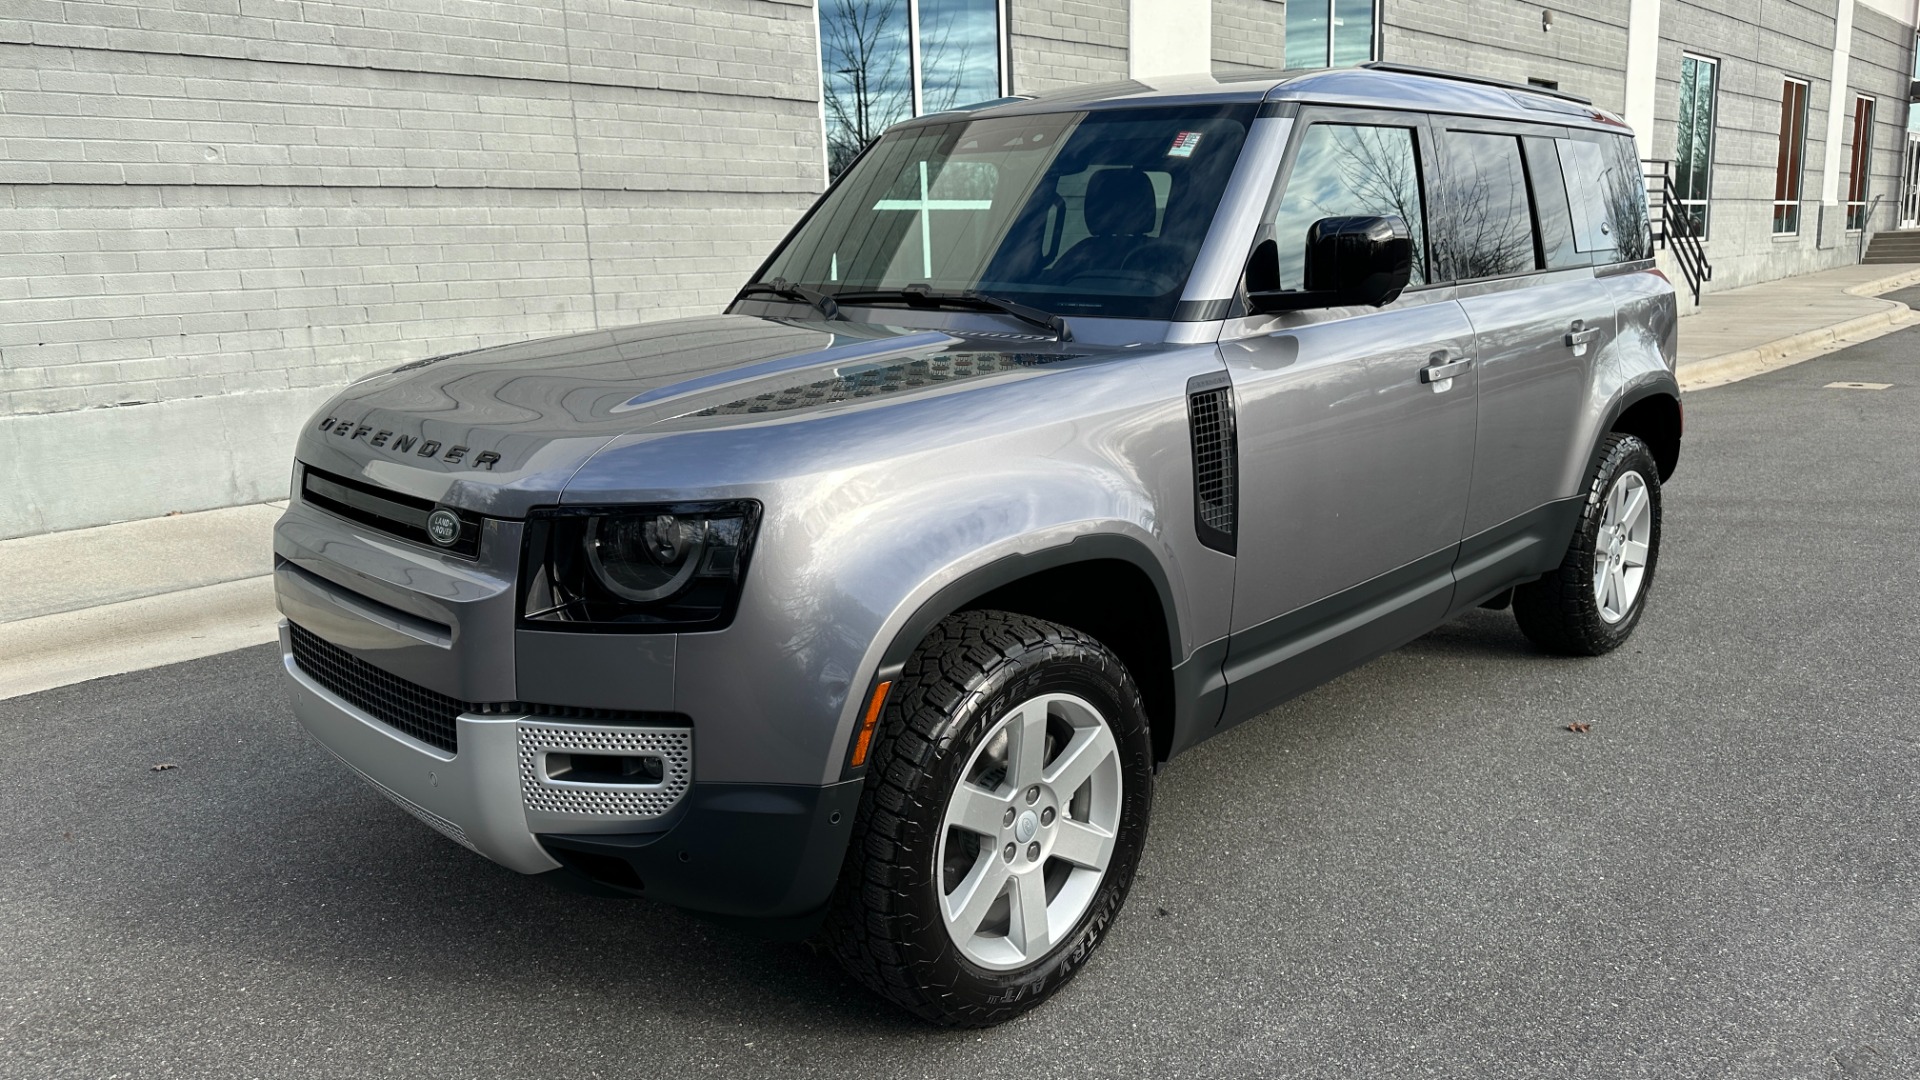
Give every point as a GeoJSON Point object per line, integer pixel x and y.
{"type": "Point", "coordinates": [443, 527]}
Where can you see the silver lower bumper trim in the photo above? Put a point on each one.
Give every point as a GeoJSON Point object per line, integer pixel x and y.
{"type": "Point", "coordinates": [480, 796]}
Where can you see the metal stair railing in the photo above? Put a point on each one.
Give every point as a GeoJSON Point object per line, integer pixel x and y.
{"type": "Point", "coordinates": [1676, 230]}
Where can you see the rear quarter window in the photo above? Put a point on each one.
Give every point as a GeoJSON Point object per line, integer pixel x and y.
{"type": "Point", "coordinates": [1607, 197]}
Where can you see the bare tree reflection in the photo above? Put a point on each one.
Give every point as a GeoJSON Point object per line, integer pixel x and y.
{"type": "Point", "coordinates": [1486, 229]}
{"type": "Point", "coordinates": [863, 53]}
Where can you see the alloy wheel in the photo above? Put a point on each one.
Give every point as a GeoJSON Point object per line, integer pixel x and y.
{"type": "Point", "coordinates": [1621, 548]}
{"type": "Point", "coordinates": [1029, 831]}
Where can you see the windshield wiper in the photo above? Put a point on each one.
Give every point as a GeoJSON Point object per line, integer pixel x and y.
{"type": "Point", "coordinates": [787, 290]}
{"type": "Point", "coordinates": [922, 296]}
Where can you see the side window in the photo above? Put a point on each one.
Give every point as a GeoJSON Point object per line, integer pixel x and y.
{"type": "Point", "coordinates": [1608, 195]}
{"type": "Point", "coordinates": [1551, 205]}
{"type": "Point", "coordinates": [1626, 188]}
{"type": "Point", "coordinates": [1487, 223]}
{"type": "Point", "coordinates": [1349, 170]}
{"type": "Point", "coordinates": [1583, 165]}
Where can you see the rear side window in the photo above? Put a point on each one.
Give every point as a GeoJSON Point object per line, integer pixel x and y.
{"type": "Point", "coordinates": [1487, 228]}
{"type": "Point", "coordinates": [1551, 206]}
{"type": "Point", "coordinates": [1608, 197]}
{"type": "Point", "coordinates": [1349, 170]}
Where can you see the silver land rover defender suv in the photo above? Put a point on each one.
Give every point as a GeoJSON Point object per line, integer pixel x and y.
{"type": "Point", "coordinates": [1061, 434]}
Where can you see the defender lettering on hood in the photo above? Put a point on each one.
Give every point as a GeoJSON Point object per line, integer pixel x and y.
{"type": "Point", "coordinates": [401, 445]}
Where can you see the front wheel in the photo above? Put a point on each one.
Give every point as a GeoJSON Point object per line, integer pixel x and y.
{"type": "Point", "coordinates": [1591, 604]}
{"type": "Point", "coordinates": [999, 831]}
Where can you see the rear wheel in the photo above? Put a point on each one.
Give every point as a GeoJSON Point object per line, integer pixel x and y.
{"type": "Point", "coordinates": [999, 831]}
{"type": "Point", "coordinates": [1591, 604]}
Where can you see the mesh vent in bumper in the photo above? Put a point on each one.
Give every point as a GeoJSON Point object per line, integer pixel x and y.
{"type": "Point", "coordinates": [404, 706]}
{"type": "Point", "coordinates": [673, 746]}
{"type": "Point", "coordinates": [426, 715]}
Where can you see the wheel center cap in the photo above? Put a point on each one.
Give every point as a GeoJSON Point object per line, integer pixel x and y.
{"type": "Point", "coordinates": [1028, 824]}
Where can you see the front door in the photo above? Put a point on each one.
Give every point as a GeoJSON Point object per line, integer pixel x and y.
{"type": "Point", "coordinates": [1355, 450]}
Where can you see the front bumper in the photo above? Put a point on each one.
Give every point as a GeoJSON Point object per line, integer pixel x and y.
{"type": "Point", "coordinates": [745, 850]}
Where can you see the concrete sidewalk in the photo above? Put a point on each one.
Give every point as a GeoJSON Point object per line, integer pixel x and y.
{"type": "Point", "coordinates": [96, 602]}
{"type": "Point", "coordinates": [1742, 332]}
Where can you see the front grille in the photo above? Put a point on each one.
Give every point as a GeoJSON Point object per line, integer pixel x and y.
{"type": "Point", "coordinates": [424, 714]}
{"type": "Point", "coordinates": [1215, 493]}
{"type": "Point", "coordinates": [390, 512]}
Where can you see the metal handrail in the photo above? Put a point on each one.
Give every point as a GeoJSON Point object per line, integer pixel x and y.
{"type": "Point", "coordinates": [1677, 233]}
{"type": "Point", "coordinates": [1866, 226]}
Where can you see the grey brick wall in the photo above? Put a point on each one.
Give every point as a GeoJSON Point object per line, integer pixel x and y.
{"type": "Point", "coordinates": [1585, 50]}
{"type": "Point", "coordinates": [1058, 43]}
{"type": "Point", "coordinates": [201, 198]}
{"type": "Point", "coordinates": [1249, 35]}
{"type": "Point", "coordinates": [180, 220]}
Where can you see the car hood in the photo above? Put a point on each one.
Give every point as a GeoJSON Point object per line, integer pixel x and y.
{"type": "Point", "coordinates": [527, 415]}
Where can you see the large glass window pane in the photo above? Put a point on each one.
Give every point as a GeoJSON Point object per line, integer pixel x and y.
{"type": "Point", "coordinates": [1352, 32]}
{"type": "Point", "coordinates": [866, 73]}
{"type": "Point", "coordinates": [1307, 24]}
{"type": "Point", "coordinates": [1693, 156]}
{"type": "Point", "coordinates": [959, 53]}
{"type": "Point", "coordinates": [1792, 157]}
{"type": "Point", "coordinates": [1099, 213]}
{"type": "Point", "coordinates": [1486, 225]}
{"type": "Point", "coordinates": [1343, 170]}
{"type": "Point", "coordinates": [1860, 167]}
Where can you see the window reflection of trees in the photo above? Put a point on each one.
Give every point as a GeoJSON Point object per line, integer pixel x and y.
{"type": "Point", "coordinates": [1625, 195]}
{"type": "Point", "coordinates": [1345, 170]}
{"type": "Point", "coordinates": [866, 74]}
{"type": "Point", "coordinates": [867, 69]}
{"type": "Point", "coordinates": [1487, 224]}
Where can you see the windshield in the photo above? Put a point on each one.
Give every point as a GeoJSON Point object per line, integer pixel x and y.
{"type": "Point", "coordinates": [1087, 213]}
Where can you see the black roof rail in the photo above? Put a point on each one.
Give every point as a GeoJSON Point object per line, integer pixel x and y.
{"type": "Point", "coordinates": [1481, 80]}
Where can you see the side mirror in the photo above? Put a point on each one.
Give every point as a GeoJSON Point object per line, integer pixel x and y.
{"type": "Point", "coordinates": [1350, 261]}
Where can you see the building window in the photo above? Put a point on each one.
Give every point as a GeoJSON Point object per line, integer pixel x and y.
{"type": "Point", "coordinates": [1792, 159]}
{"type": "Point", "coordinates": [1693, 158]}
{"type": "Point", "coordinates": [883, 61]}
{"type": "Point", "coordinates": [1332, 33]}
{"type": "Point", "coordinates": [1860, 167]}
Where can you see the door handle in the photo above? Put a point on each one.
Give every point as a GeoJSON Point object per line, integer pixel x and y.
{"type": "Point", "coordinates": [1580, 334]}
{"type": "Point", "coordinates": [1441, 370]}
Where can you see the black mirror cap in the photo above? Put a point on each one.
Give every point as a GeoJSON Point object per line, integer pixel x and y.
{"type": "Point", "coordinates": [1351, 261]}
{"type": "Point", "coordinates": [1367, 258]}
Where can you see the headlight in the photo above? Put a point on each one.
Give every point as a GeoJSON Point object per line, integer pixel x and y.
{"type": "Point", "coordinates": [640, 569]}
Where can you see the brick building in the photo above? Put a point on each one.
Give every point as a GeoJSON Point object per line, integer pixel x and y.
{"type": "Point", "coordinates": [212, 212]}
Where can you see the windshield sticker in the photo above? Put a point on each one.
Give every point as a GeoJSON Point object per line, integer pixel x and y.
{"type": "Point", "coordinates": [1183, 144]}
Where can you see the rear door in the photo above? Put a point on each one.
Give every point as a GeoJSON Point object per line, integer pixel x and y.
{"type": "Point", "coordinates": [1354, 448]}
{"type": "Point", "coordinates": [1521, 260]}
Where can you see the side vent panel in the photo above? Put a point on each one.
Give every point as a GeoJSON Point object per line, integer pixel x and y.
{"type": "Point", "coordinates": [1216, 460]}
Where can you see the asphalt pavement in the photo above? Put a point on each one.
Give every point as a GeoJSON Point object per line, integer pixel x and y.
{"type": "Point", "coordinates": [1413, 871]}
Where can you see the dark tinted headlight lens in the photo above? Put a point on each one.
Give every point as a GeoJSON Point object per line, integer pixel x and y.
{"type": "Point", "coordinates": [656, 568]}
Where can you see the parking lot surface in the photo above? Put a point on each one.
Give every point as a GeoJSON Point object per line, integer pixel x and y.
{"type": "Point", "coordinates": [1413, 871]}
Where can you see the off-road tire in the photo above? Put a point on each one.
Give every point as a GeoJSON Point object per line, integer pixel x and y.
{"type": "Point", "coordinates": [1560, 612]}
{"type": "Point", "coordinates": [885, 924]}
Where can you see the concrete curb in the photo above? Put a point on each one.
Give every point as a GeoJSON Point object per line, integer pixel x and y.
{"type": "Point", "coordinates": [1785, 352]}
{"type": "Point", "coordinates": [133, 635]}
